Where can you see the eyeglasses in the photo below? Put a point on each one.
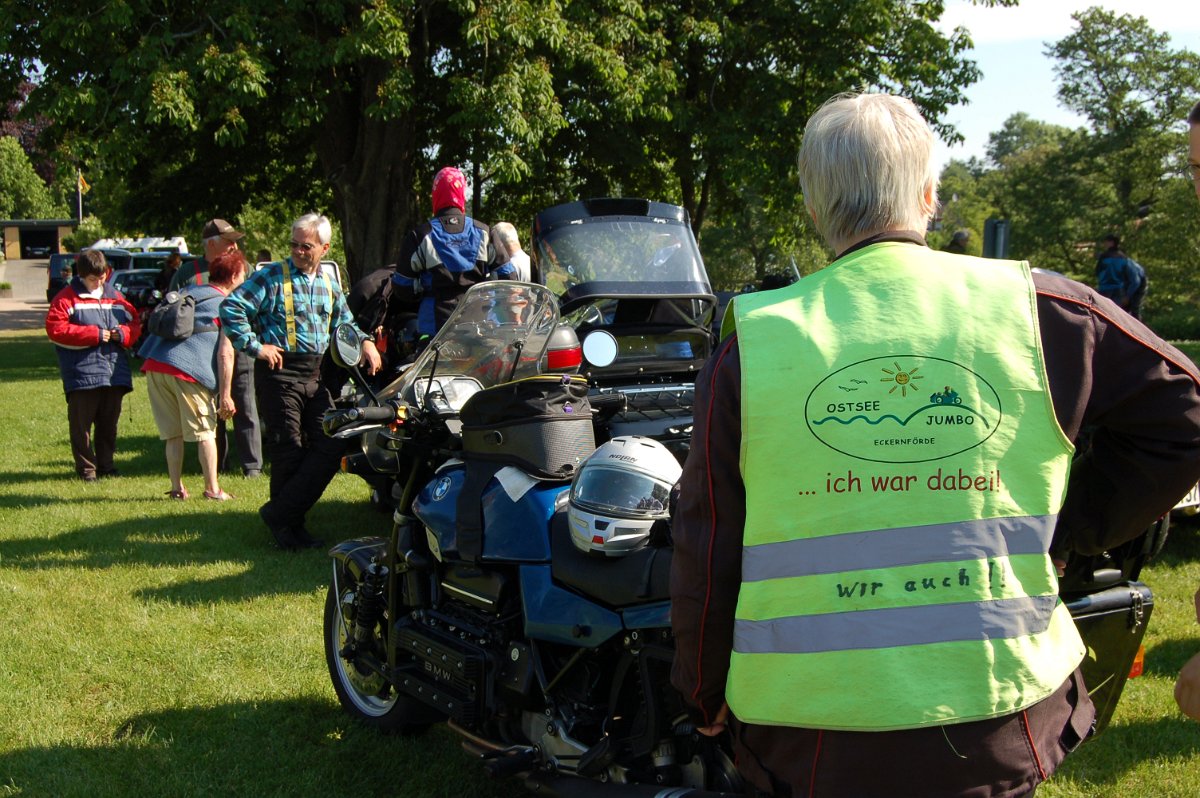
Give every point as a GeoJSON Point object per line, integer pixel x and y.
{"type": "Point", "coordinates": [304, 247]}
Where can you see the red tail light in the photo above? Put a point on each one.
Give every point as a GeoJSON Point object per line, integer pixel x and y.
{"type": "Point", "coordinates": [1139, 663]}
{"type": "Point", "coordinates": [564, 359]}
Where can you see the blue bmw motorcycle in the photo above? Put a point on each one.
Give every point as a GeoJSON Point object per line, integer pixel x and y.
{"type": "Point", "coordinates": [478, 610]}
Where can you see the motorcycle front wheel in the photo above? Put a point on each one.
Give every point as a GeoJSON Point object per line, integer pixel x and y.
{"type": "Point", "coordinates": [363, 692]}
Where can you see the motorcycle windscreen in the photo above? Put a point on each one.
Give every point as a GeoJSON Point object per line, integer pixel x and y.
{"type": "Point", "coordinates": [497, 333]}
{"type": "Point", "coordinates": [621, 256]}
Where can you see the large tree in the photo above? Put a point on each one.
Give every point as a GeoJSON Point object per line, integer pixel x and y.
{"type": "Point", "coordinates": [199, 107]}
{"type": "Point", "coordinates": [1134, 89]}
{"type": "Point", "coordinates": [23, 195]}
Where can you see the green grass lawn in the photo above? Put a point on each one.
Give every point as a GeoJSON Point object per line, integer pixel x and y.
{"type": "Point", "coordinates": [164, 648]}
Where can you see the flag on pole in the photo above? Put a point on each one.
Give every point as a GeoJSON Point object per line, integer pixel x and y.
{"type": "Point", "coordinates": [83, 184]}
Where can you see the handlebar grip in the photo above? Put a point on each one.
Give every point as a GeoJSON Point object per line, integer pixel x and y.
{"type": "Point", "coordinates": [615, 401]}
{"type": "Point", "coordinates": [338, 421]}
{"type": "Point", "coordinates": [382, 413]}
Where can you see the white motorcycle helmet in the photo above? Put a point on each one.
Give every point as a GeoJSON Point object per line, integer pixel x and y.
{"type": "Point", "coordinates": [618, 493]}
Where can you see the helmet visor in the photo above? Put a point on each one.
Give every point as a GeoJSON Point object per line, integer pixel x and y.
{"type": "Point", "coordinates": [619, 493]}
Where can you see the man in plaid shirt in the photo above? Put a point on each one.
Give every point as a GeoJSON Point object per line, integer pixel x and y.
{"type": "Point", "coordinates": [284, 315]}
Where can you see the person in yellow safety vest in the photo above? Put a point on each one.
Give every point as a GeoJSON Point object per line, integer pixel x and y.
{"type": "Point", "coordinates": [880, 483]}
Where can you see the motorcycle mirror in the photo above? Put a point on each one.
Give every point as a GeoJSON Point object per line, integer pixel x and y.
{"type": "Point", "coordinates": [600, 348]}
{"type": "Point", "coordinates": [347, 346]}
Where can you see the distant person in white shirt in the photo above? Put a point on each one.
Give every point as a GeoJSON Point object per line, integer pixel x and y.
{"type": "Point", "coordinates": [506, 234]}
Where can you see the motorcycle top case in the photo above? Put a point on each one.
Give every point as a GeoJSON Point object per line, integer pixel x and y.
{"type": "Point", "coordinates": [542, 425]}
{"type": "Point", "coordinates": [1112, 623]}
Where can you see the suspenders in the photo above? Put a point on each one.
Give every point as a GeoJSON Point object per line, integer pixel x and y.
{"type": "Point", "coordinates": [290, 306]}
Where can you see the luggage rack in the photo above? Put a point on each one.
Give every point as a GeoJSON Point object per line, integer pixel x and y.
{"type": "Point", "coordinates": [662, 412]}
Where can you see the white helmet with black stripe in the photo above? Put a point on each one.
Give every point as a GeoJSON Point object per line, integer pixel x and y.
{"type": "Point", "coordinates": [618, 493]}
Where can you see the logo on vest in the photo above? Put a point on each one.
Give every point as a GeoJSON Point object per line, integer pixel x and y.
{"type": "Point", "coordinates": [903, 409]}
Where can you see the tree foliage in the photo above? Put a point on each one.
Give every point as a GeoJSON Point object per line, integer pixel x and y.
{"type": "Point", "coordinates": [1063, 189]}
{"type": "Point", "coordinates": [23, 195]}
{"type": "Point", "coordinates": [189, 110]}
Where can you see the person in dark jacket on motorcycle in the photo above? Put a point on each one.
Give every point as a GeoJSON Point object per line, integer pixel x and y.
{"type": "Point", "coordinates": [863, 582]}
{"type": "Point", "coordinates": [447, 255]}
{"type": "Point", "coordinates": [92, 326]}
{"type": "Point", "coordinates": [1187, 686]}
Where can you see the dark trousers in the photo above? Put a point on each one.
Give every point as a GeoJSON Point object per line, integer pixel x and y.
{"type": "Point", "coordinates": [292, 401]}
{"type": "Point", "coordinates": [247, 430]}
{"type": "Point", "coordinates": [99, 408]}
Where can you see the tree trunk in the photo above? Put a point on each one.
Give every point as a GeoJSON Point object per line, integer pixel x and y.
{"type": "Point", "coordinates": [369, 163]}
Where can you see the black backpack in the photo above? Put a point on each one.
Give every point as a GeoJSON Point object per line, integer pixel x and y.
{"type": "Point", "coordinates": [174, 318]}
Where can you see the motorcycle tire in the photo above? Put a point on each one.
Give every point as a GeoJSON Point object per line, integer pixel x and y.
{"type": "Point", "coordinates": [364, 694]}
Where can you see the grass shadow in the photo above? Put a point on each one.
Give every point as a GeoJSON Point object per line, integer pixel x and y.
{"type": "Point", "coordinates": [295, 747]}
{"type": "Point", "coordinates": [1122, 748]}
{"type": "Point", "coordinates": [178, 541]}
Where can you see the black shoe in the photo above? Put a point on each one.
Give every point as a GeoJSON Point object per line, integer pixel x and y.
{"type": "Point", "coordinates": [281, 532]}
{"type": "Point", "coordinates": [88, 477]}
{"type": "Point", "coordinates": [252, 473]}
{"type": "Point", "coordinates": [305, 539]}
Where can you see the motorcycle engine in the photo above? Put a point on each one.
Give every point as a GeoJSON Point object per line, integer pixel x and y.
{"type": "Point", "coordinates": [458, 650]}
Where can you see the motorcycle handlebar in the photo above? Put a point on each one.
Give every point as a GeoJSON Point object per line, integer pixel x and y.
{"type": "Point", "coordinates": [612, 402]}
{"type": "Point", "coordinates": [338, 421]}
{"type": "Point", "coordinates": [382, 413]}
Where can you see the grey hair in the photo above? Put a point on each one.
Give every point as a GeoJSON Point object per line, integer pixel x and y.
{"type": "Point", "coordinates": [212, 239]}
{"type": "Point", "coordinates": [315, 223]}
{"type": "Point", "coordinates": [866, 165]}
{"type": "Point", "coordinates": [507, 234]}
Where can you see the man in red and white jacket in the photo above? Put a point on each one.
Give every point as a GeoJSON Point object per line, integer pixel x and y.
{"type": "Point", "coordinates": [92, 326]}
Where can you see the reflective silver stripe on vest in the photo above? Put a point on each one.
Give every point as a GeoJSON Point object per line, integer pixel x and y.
{"type": "Point", "coordinates": [889, 548]}
{"type": "Point", "coordinates": [895, 626]}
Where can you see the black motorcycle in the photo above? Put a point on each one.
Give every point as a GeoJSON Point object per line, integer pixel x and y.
{"type": "Point", "coordinates": [478, 610]}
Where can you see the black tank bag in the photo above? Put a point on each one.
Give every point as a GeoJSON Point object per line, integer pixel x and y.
{"type": "Point", "coordinates": [541, 425]}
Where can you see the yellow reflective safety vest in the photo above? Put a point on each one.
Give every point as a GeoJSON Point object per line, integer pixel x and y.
{"type": "Point", "coordinates": [904, 469]}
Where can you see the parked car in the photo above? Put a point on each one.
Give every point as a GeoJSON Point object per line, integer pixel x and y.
{"type": "Point", "coordinates": [37, 250]}
{"type": "Point", "coordinates": [58, 273]}
{"type": "Point", "coordinates": [156, 259]}
{"type": "Point", "coordinates": [137, 286]}
{"type": "Point", "coordinates": [118, 259]}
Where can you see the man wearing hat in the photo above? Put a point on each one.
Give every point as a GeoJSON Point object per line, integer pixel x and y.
{"type": "Point", "coordinates": [221, 237]}
{"type": "Point", "coordinates": [447, 255]}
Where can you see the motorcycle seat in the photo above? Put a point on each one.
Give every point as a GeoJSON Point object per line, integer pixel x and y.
{"type": "Point", "coordinates": [640, 577]}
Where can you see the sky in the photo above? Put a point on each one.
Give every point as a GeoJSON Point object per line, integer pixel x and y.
{"type": "Point", "coordinates": [1017, 75]}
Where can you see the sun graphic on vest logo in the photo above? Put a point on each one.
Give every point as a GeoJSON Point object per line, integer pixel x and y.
{"type": "Point", "coordinates": [902, 378]}
{"type": "Point", "coordinates": [878, 410]}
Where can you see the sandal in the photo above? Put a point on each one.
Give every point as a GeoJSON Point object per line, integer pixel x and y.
{"type": "Point", "coordinates": [180, 494]}
{"type": "Point", "coordinates": [220, 496]}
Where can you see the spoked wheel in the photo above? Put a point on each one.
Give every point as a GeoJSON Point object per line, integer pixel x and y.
{"type": "Point", "coordinates": [362, 691]}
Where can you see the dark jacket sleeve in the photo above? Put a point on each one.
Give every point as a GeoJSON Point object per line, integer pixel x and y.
{"type": "Point", "coordinates": [707, 528]}
{"type": "Point", "coordinates": [1135, 397]}
{"type": "Point", "coordinates": [408, 248]}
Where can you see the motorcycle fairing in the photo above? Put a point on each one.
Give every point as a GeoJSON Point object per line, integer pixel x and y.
{"type": "Point", "coordinates": [561, 616]}
{"type": "Point", "coordinates": [632, 268]}
{"type": "Point", "coordinates": [515, 527]}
